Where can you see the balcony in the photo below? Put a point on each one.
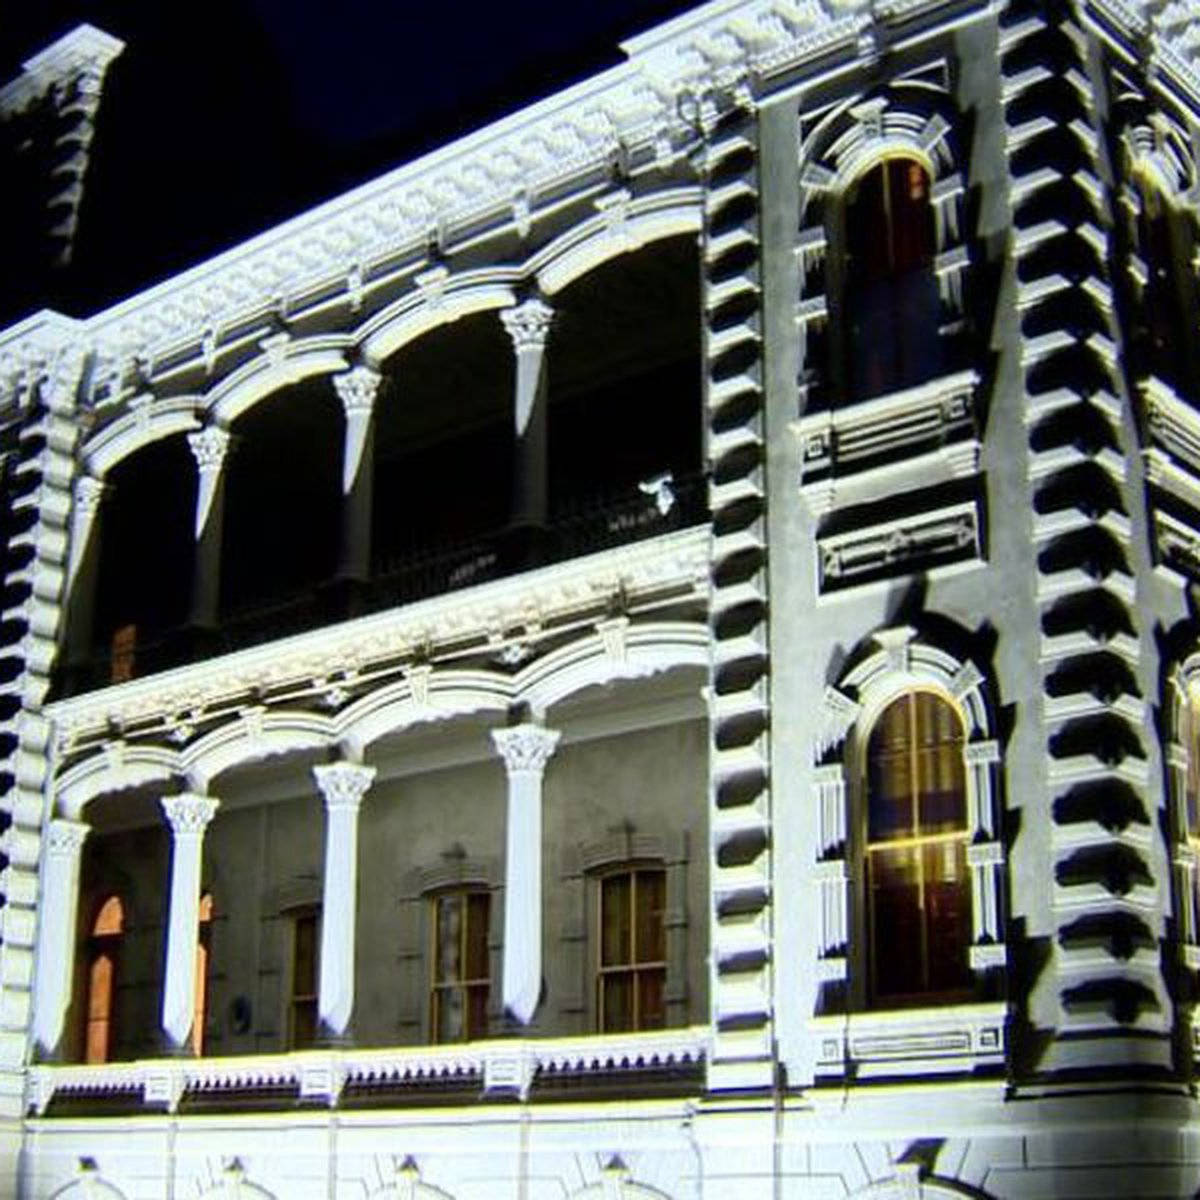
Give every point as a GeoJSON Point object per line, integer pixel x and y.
{"type": "Point", "coordinates": [662, 506]}
{"type": "Point", "coordinates": [669, 1060]}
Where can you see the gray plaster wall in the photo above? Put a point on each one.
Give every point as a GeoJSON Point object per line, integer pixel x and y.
{"type": "Point", "coordinates": [630, 797]}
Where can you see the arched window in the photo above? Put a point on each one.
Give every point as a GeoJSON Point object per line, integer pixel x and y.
{"type": "Point", "coordinates": [458, 998]}
{"type": "Point", "coordinates": [302, 1009]}
{"type": "Point", "coordinates": [102, 963]}
{"type": "Point", "coordinates": [918, 893]}
{"type": "Point", "coordinates": [631, 974]}
{"type": "Point", "coordinates": [203, 958]}
{"type": "Point", "coordinates": [1169, 307]}
{"type": "Point", "coordinates": [890, 304]}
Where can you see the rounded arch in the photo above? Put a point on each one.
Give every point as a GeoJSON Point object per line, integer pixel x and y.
{"type": "Point", "coordinates": [409, 1191]}
{"type": "Point", "coordinates": [623, 224]}
{"type": "Point", "coordinates": [438, 299]}
{"type": "Point", "coordinates": [235, 1187]}
{"type": "Point", "coordinates": [609, 654]}
{"type": "Point", "coordinates": [281, 364]}
{"type": "Point", "coordinates": [144, 422]}
{"type": "Point", "coordinates": [106, 772]}
{"type": "Point", "coordinates": [626, 1190]}
{"type": "Point", "coordinates": [90, 1186]}
{"type": "Point", "coordinates": [901, 662]}
{"type": "Point", "coordinates": [242, 741]}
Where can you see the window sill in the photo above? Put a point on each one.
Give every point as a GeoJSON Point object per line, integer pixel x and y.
{"type": "Point", "coordinates": [495, 1069]}
{"type": "Point", "coordinates": [898, 1043]}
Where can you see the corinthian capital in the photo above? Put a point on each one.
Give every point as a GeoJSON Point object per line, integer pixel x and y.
{"type": "Point", "coordinates": [189, 813]}
{"type": "Point", "coordinates": [64, 839]}
{"type": "Point", "coordinates": [528, 324]}
{"type": "Point", "coordinates": [525, 747]}
{"type": "Point", "coordinates": [208, 447]}
{"type": "Point", "coordinates": [88, 494]}
{"type": "Point", "coordinates": [357, 388]}
{"type": "Point", "coordinates": [343, 784]}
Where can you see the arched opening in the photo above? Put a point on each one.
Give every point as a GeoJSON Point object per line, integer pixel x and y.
{"type": "Point", "coordinates": [282, 514]}
{"type": "Point", "coordinates": [146, 552]}
{"type": "Point", "coordinates": [1169, 318]}
{"type": "Point", "coordinates": [103, 960]}
{"type": "Point", "coordinates": [443, 455]}
{"type": "Point", "coordinates": [917, 888]}
{"type": "Point", "coordinates": [624, 386]}
{"type": "Point", "coordinates": [890, 303]}
{"type": "Point", "coordinates": [203, 961]}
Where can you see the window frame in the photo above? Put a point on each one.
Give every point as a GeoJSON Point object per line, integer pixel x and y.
{"type": "Point", "coordinates": [293, 916]}
{"type": "Point", "coordinates": [1184, 771]}
{"type": "Point", "coordinates": [98, 945]}
{"type": "Point", "coordinates": [874, 998]}
{"type": "Point", "coordinates": [634, 967]}
{"type": "Point", "coordinates": [201, 991]}
{"type": "Point", "coordinates": [899, 662]}
{"type": "Point", "coordinates": [433, 899]}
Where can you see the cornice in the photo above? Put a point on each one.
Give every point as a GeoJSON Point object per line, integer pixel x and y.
{"type": "Point", "coordinates": [632, 112]}
{"type": "Point", "coordinates": [85, 48]}
{"type": "Point", "coordinates": [631, 574]}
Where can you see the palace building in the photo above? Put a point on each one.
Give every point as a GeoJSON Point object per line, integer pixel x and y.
{"type": "Point", "coordinates": [650, 653]}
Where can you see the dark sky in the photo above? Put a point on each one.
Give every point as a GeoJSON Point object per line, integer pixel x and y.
{"type": "Point", "coordinates": [222, 118]}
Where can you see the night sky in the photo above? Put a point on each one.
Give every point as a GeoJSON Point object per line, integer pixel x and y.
{"type": "Point", "coordinates": [223, 118]}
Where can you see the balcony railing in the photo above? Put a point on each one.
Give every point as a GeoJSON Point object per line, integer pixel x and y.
{"type": "Point", "coordinates": [509, 1067]}
{"type": "Point", "coordinates": [661, 506]}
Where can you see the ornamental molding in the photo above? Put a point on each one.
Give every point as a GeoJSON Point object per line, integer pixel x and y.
{"type": "Point", "coordinates": [64, 839]}
{"type": "Point", "coordinates": [528, 324]}
{"type": "Point", "coordinates": [209, 447]}
{"type": "Point", "coordinates": [189, 813]}
{"type": "Point", "coordinates": [357, 389]}
{"type": "Point", "coordinates": [719, 56]}
{"type": "Point", "coordinates": [343, 784]}
{"type": "Point", "coordinates": [83, 54]}
{"type": "Point", "coordinates": [525, 747]}
{"type": "Point", "coordinates": [674, 564]}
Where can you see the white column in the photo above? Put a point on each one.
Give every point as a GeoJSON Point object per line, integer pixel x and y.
{"type": "Point", "coordinates": [56, 942]}
{"type": "Point", "coordinates": [82, 568]}
{"type": "Point", "coordinates": [209, 447]}
{"type": "Point", "coordinates": [357, 389]}
{"type": "Point", "coordinates": [528, 325]}
{"type": "Point", "coordinates": [343, 785]}
{"type": "Point", "coordinates": [525, 750]}
{"type": "Point", "coordinates": [188, 816]}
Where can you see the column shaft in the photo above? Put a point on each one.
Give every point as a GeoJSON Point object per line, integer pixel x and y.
{"type": "Point", "coordinates": [188, 816]}
{"type": "Point", "coordinates": [525, 749]}
{"type": "Point", "coordinates": [343, 785]}
{"type": "Point", "coordinates": [528, 325]}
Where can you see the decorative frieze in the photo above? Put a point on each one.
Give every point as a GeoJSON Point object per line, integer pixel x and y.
{"type": "Point", "coordinates": [869, 449]}
{"type": "Point", "coordinates": [672, 564]}
{"type": "Point", "coordinates": [950, 535]}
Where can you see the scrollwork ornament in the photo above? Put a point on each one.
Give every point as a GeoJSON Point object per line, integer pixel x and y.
{"type": "Point", "coordinates": [528, 324]}
{"type": "Point", "coordinates": [357, 389]}
{"type": "Point", "coordinates": [343, 784]}
{"type": "Point", "coordinates": [525, 747]}
{"type": "Point", "coordinates": [64, 839]}
{"type": "Point", "coordinates": [189, 813]}
{"type": "Point", "coordinates": [209, 446]}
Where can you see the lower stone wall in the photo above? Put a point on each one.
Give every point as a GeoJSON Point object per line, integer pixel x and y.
{"type": "Point", "coordinates": [880, 1145]}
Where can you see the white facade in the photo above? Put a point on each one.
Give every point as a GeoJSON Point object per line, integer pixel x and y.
{"type": "Point", "coordinates": [687, 689]}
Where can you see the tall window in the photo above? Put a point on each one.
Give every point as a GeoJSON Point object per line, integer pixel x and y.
{"type": "Point", "coordinates": [918, 895]}
{"type": "Point", "coordinates": [306, 933]}
{"type": "Point", "coordinates": [203, 957]}
{"type": "Point", "coordinates": [632, 973]}
{"type": "Point", "coordinates": [891, 306]}
{"type": "Point", "coordinates": [103, 959]}
{"type": "Point", "coordinates": [459, 995]}
{"type": "Point", "coordinates": [1191, 807]}
{"type": "Point", "coordinates": [1169, 310]}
